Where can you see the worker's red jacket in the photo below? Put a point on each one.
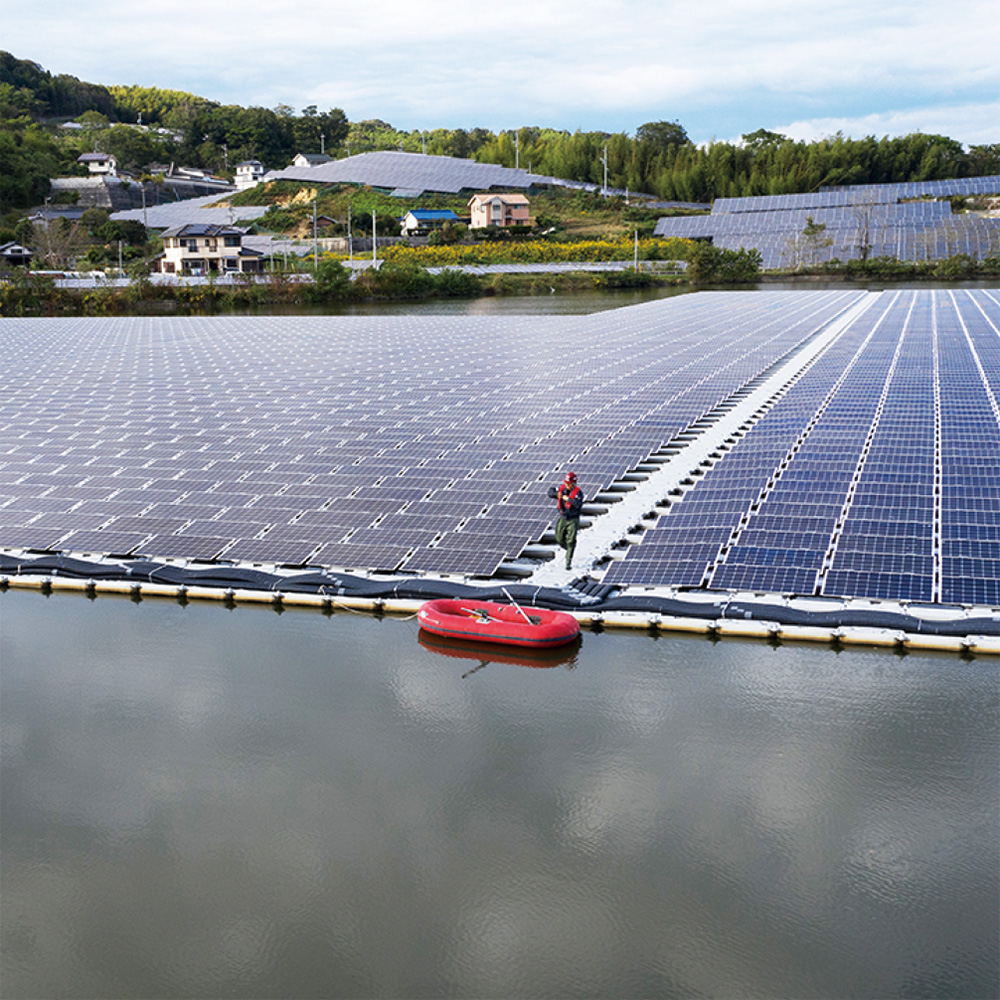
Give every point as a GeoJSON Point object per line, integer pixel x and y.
{"type": "Point", "coordinates": [569, 499]}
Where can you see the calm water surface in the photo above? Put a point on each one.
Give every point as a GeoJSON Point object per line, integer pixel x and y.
{"type": "Point", "coordinates": [198, 802]}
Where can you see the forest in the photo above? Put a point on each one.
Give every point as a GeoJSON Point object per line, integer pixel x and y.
{"type": "Point", "coordinates": [143, 126]}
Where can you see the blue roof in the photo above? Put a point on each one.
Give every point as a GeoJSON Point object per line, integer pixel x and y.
{"type": "Point", "coordinates": [433, 213]}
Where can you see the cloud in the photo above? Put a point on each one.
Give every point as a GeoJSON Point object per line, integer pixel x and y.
{"type": "Point", "coordinates": [720, 67]}
{"type": "Point", "coordinates": [972, 124]}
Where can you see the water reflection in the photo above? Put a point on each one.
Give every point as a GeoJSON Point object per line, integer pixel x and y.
{"type": "Point", "coordinates": [196, 802]}
{"type": "Point", "coordinates": [484, 654]}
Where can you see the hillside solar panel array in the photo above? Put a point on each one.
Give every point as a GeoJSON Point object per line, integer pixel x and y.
{"type": "Point", "coordinates": [874, 220]}
{"type": "Point", "coordinates": [212, 210]}
{"type": "Point", "coordinates": [408, 175]}
{"type": "Point", "coordinates": [426, 445]}
{"type": "Point", "coordinates": [409, 172]}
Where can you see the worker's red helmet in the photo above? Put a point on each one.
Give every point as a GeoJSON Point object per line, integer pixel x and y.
{"type": "Point", "coordinates": [570, 477]}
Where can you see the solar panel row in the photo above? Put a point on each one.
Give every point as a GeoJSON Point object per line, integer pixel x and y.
{"type": "Point", "coordinates": [875, 472]}
{"type": "Point", "coordinates": [864, 220]}
{"type": "Point", "coordinates": [294, 432]}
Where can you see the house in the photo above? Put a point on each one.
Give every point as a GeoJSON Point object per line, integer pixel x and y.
{"type": "Point", "coordinates": [248, 173]}
{"type": "Point", "coordinates": [311, 159]}
{"type": "Point", "coordinates": [200, 247]}
{"type": "Point", "coordinates": [419, 221]}
{"type": "Point", "coordinates": [499, 210]}
{"type": "Point", "coordinates": [99, 163]}
{"type": "Point", "coordinates": [15, 255]}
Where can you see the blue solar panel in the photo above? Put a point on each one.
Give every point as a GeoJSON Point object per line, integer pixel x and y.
{"type": "Point", "coordinates": [865, 488]}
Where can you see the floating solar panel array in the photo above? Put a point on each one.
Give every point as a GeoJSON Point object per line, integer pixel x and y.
{"type": "Point", "coordinates": [864, 220]}
{"type": "Point", "coordinates": [391, 443]}
{"type": "Point", "coordinates": [875, 475]}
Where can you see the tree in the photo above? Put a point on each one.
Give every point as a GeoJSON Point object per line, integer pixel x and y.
{"type": "Point", "coordinates": [332, 280]}
{"type": "Point", "coordinates": [806, 248]}
{"type": "Point", "coordinates": [662, 135]}
{"type": "Point", "coordinates": [984, 161]}
{"type": "Point", "coordinates": [133, 148]}
{"type": "Point", "coordinates": [762, 139]}
{"type": "Point", "coordinates": [865, 236]}
{"type": "Point", "coordinates": [59, 242]}
{"type": "Point", "coordinates": [315, 131]}
{"type": "Point", "coordinates": [93, 120]}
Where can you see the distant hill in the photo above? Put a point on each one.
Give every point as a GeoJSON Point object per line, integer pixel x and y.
{"type": "Point", "coordinates": [659, 159]}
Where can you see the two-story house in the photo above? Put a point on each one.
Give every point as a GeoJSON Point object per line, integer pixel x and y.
{"type": "Point", "coordinates": [499, 210]}
{"type": "Point", "coordinates": [197, 248]}
{"type": "Point", "coordinates": [248, 173]}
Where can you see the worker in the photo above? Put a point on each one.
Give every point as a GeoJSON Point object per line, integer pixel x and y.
{"type": "Point", "coordinates": [569, 500]}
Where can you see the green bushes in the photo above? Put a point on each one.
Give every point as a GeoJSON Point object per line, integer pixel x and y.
{"type": "Point", "coordinates": [332, 282]}
{"type": "Point", "coordinates": [956, 267]}
{"type": "Point", "coordinates": [405, 280]}
{"type": "Point", "coordinates": [708, 264]}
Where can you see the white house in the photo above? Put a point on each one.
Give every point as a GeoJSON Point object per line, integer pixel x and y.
{"type": "Point", "coordinates": [311, 159]}
{"type": "Point", "coordinates": [99, 163]}
{"type": "Point", "coordinates": [200, 247]}
{"type": "Point", "coordinates": [248, 173]}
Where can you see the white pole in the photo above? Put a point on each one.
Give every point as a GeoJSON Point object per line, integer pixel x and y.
{"type": "Point", "coordinates": [635, 263]}
{"type": "Point", "coordinates": [374, 253]}
{"type": "Point", "coordinates": [315, 240]}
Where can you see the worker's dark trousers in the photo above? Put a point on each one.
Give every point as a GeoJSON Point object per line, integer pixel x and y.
{"type": "Point", "coordinates": [566, 536]}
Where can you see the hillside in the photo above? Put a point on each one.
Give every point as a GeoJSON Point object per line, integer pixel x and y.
{"type": "Point", "coordinates": [35, 144]}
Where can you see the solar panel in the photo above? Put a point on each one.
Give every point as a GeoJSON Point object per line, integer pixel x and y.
{"type": "Point", "coordinates": [850, 494]}
{"type": "Point", "coordinates": [389, 443]}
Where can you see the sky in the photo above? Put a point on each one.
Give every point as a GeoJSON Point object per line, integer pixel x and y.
{"type": "Point", "coordinates": [722, 68]}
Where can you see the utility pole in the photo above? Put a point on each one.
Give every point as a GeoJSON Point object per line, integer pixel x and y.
{"type": "Point", "coordinates": [315, 240]}
{"type": "Point", "coordinates": [350, 240]}
{"type": "Point", "coordinates": [635, 258]}
{"type": "Point", "coordinates": [517, 150]}
{"type": "Point", "coordinates": [322, 143]}
{"type": "Point", "coordinates": [374, 240]}
{"type": "Point", "coordinates": [604, 160]}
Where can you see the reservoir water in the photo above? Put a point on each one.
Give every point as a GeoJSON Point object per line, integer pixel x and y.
{"type": "Point", "coordinates": [204, 802]}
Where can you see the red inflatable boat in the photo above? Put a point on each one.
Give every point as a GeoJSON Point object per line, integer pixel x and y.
{"type": "Point", "coordinates": [510, 625]}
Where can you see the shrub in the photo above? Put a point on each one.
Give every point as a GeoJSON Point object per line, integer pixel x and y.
{"type": "Point", "coordinates": [959, 265]}
{"type": "Point", "coordinates": [457, 284]}
{"type": "Point", "coordinates": [332, 281]}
